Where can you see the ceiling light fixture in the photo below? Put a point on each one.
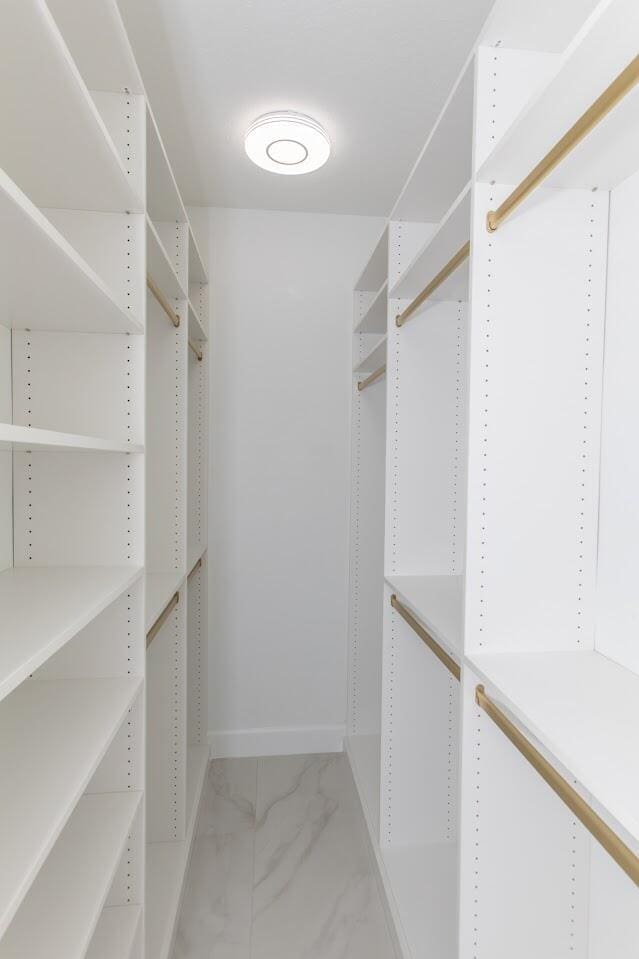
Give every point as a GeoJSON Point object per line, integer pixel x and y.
{"type": "Point", "coordinates": [288, 143]}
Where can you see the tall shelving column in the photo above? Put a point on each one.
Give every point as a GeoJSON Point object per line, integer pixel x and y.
{"type": "Point", "coordinates": [72, 659]}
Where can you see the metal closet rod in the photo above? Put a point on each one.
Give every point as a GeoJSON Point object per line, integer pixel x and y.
{"type": "Point", "coordinates": [162, 618]}
{"type": "Point", "coordinates": [459, 257]}
{"type": "Point", "coordinates": [611, 96]}
{"type": "Point", "coordinates": [622, 855]}
{"type": "Point", "coordinates": [372, 378]}
{"type": "Point", "coordinates": [426, 638]}
{"type": "Point", "coordinates": [195, 350]}
{"type": "Point", "coordinates": [164, 303]}
{"type": "Point", "coordinates": [195, 568]}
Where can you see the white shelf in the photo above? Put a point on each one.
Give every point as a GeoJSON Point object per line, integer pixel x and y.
{"type": "Point", "coordinates": [365, 758]}
{"type": "Point", "coordinates": [376, 270]}
{"type": "Point", "coordinates": [49, 115]}
{"type": "Point", "coordinates": [160, 586]}
{"type": "Point", "coordinates": [437, 602]}
{"type": "Point", "coordinates": [450, 236]}
{"type": "Point", "coordinates": [159, 266]}
{"type": "Point", "coordinates": [584, 711]}
{"type": "Point", "coordinates": [195, 551]}
{"type": "Point", "coordinates": [375, 318]}
{"type": "Point", "coordinates": [374, 359]}
{"type": "Point", "coordinates": [167, 862]}
{"type": "Point", "coordinates": [197, 270]}
{"type": "Point", "coordinates": [445, 163]}
{"type": "Point", "coordinates": [163, 199]}
{"type": "Point", "coordinates": [422, 881]}
{"type": "Point", "coordinates": [610, 153]}
{"type": "Point", "coordinates": [68, 294]}
{"type": "Point", "coordinates": [44, 607]}
{"type": "Point", "coordinates": [196, 329]}
{"type": "Point", "coordinates": [61, 910]}
{"type": "Point", "coordinates": [33, 439]}
{"type": "Point", "coordinates": [53, 735]}
{"type": "Point", "coordinates": [115, 933]}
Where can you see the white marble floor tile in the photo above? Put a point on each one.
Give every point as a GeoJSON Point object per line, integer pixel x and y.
{"type": "Point", "coordinates": [280, 867]}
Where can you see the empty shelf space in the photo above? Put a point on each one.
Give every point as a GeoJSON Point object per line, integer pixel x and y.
{"type": "Point", "coordinates": [196, 329]}
{"type": "Point", "coordinates": [32, 439]}
{"type": "Point", "coordinates": [50, 112]}
{"type": "Point", "coordinates": [422, 883]}
{"type": "Point", "coordinates": [163, 199]}
{"type": "Point", "coordinates": [610, 152]}
{"type": "Point", "coordinates": [160, 586]}
{"type": "Point", "coordinates": [364, 753]}
{"type": "Point", "coordinates": [197, 270]}
{"type": "Point", "coordinates": [374, 359]}
{"type": "Point", "coordinates": [166, 864]}
{"type": "Point", "coordinates": [444, 165]}
{"type": "Point", "coordinates": [452, 233]}
{"type": "Point", "coordinates": [583, 709]}
{"type": "Point", "coordinates": [44, 607]}
{"type": "Point", "coordinates": [53, 734]}
{"type": "Point", "coordinates": [61, 910]}
{"type": "Point", "coordinates": [376, 270]}
{"type": "Point", "coordinates": [115, 933]}
{"type": "Point", "coordinates": [69, 295]}
{"type": "Point", "coordinates": [374, 319]}
{"type": "Point", "coordinates": [437, 602]}
{"type": "Point", "coordinates": [159, 266]}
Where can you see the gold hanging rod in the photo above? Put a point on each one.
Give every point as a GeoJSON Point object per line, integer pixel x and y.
{"type": "Point", "coordinates": [622, 855]}
{"type": "Point", "coordinates": [195, 568]}
{"type": "Point", "coordinates": [611, 96]}
{"type": "Point", "coordinates": [195, 350]}
{"type": "Point", "coordinates": [164, 303]}
{"type": "Point", "coordinates": [372, 378]}
{"type": "Point", "coordinates": [437, 281]}
{"type": "Point", "coordinates": [426, 638]}
{"type": "Point", "coordinates": [162, 618]}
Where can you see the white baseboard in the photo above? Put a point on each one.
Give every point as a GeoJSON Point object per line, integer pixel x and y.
{"type": "Point", "coordinates": [275, 741]}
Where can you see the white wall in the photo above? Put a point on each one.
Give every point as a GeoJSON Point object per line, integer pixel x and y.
{"type": "Point", "coordinates": [279, 474]}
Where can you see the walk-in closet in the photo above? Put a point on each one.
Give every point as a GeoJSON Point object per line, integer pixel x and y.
{"type": "Point", "coordinates": [319, 510]}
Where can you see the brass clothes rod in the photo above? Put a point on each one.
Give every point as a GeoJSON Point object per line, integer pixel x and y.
{"type": "Point", "coordinates": [622, 855]}
{"type": "Point", "coordinates": [195, 568]}
{"type": "Point", "coordinates": [459, 257]}
{"type": "Point", "coordinates": [372, 378]}
{"type": "Point", "coordinates": [162, 618]}
{"type": "Point", "coordinates": [164, 303]}
{"type": "Point", "coordinates": [426, 638]}
{"type": "Point", "coordinates": [195, 350]}
{"type": "Point", "coordinates": [611, 96]}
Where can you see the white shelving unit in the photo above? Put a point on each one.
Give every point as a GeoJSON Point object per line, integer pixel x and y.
{"type": "Point", "coordinates": [494, 498]}
{"type": "Point", "coordinates": [103, 461]}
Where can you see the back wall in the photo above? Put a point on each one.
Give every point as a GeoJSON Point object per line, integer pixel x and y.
{"type": "Point", "coordinates": [281, 313]}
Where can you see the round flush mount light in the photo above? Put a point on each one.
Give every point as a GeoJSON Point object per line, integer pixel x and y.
{"type": "Point", "coordinates": [288, 143]}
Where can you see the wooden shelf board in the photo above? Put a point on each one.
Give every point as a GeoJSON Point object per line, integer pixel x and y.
{"type": "Point", "coordinates": [376, 270]}
{"type": "Point", "coordinates": [50, 111]}
{"type": "Point", "coordinates": [32, 439]}
{"type": "Point", "coordinates": [115, 933]}
{"type": "Point", "coordinates": [159, 266]}
{"type": "Point", "coordinates": [53, 734]}
{"type": "Point", "coordinates": [68, 294]}
{"type": "Point", "coordinates": [583, 709]}
{"type": "Point", "coordinates": [44, 607]}
{"type": "Point", "coordinates": [163, 199]}
{"type": "Point", "coordinates": [196, 329]}
{"type": "Point", "coordinates": [167, 863]}
{"type": "Point", "coordinates": [375, 318]}
{"type": "Point", "coordinates": [197, 270]}
{"type": "Point", "coordinates": [160, 586]}
{"type": "Point", "coordinates": [437, 602]}
{"type": "Point", "coordinates": [60, 912]}
{"type": "Point", "coordinates": [374, 359]}
{"type": "Point", "coordinates": [365, 759]}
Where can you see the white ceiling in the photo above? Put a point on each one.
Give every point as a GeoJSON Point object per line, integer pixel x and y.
{"type": "Point", "coordinates": [374, 72]}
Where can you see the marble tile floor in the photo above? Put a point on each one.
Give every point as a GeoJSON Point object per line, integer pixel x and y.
{"type": "Point", "coordinates": [280, 866]}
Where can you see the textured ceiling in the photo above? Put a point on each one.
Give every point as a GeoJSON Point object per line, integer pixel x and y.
{"type": "Point", "coordinates": [374, 72]}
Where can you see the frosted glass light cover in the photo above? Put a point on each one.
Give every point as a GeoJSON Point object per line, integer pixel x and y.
{"type": "Point", "coordinates": [287, 143]}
